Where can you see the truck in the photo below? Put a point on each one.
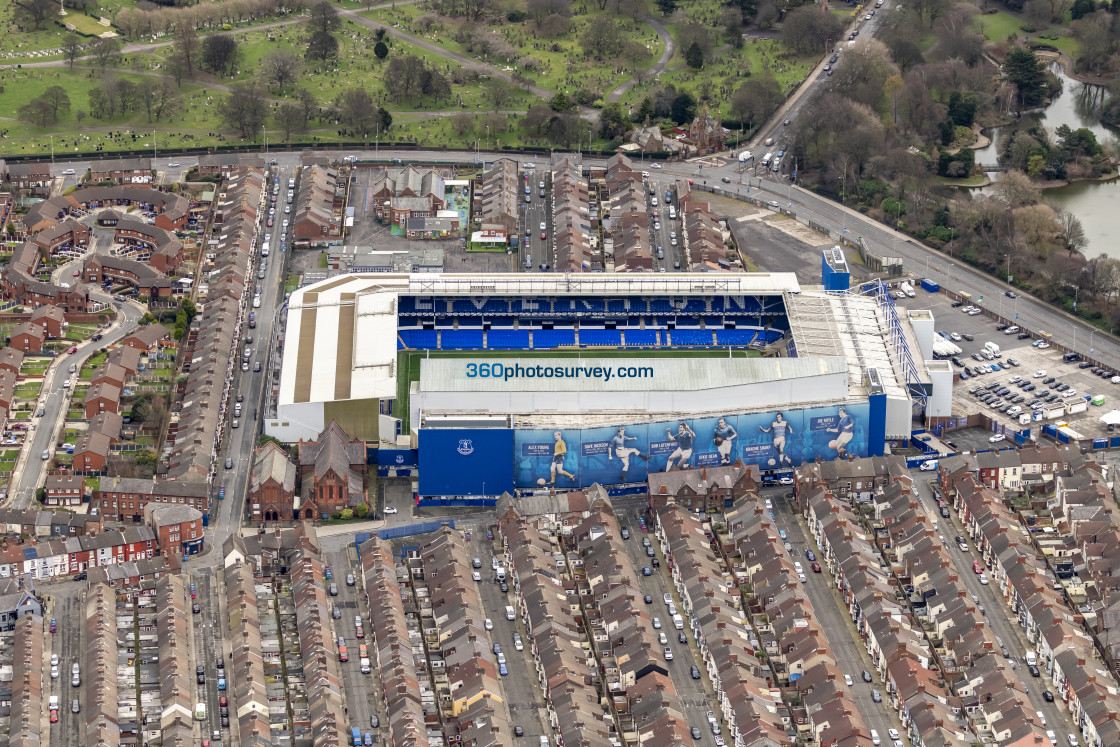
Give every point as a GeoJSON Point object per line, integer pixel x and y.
{"type": "Point", "coordinates": [930, 286]}
{"type": "Point", "coordinates": [1097, 400]}
{"type": "Point", "coordinates": [992, 348]}
{"type": "Point", "coordinates": [1032, 659]}
{"type": "Point", "coordinates": [199, 711]}
{"type": "Point", "coordinates": [906, 288]}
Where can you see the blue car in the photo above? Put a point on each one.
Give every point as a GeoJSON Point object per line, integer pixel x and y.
{"type": "Point", "coordinates": [965, 376]}
{"type": "Point", "coordinates": [221, 683]}
{"type": "Point", "coordinates": [497, 648]}
{"type": "Point", "coordinates": [502, 670]}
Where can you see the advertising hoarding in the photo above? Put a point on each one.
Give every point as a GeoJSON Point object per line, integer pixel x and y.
{"type": "Point", "coordinates": [571, 457]}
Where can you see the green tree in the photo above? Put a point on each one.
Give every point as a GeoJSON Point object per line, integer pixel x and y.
{"type": "Point", "coordinates": [694, 56]}
{"type": "Point", "coordinates": [346, 514]}
{"type": "Point", "coordinates": [962, 107]}
{"type": "Point", "coordinates": [613, 122]}
{"type": "Point", "coordinates": [645, 110]}
{"type": "Point", "coordinates": [1024, 70]}
{"type": "Point", "coordinates": [602, 40]}
{"type": "Point", "coordinates": [35, 12]}
{"type": "Point", "coordinates": [381, 50]}
{"type": "Point", "coordinates": [667, 7]}
{"type": "Point", "coordinates": [1082, 8]}
{"type": "Point", "coordinates": [683, 109]}
{"type": "Point", "coordinates": [560, 103]}
{"type": "Point", "coordinates": [265, 438]}
{"type": "Point", "coordinates": [361, 510]}
{"type": "Point", "coordinates": [146, 458]}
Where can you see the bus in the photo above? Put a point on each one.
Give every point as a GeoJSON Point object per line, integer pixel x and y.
{"type": "Point", "coordinates": [356, 737]}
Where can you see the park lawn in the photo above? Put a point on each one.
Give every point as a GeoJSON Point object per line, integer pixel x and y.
{"type": "Point", "coordinates": [561, 66]}
{"type": "Point", "coordinates": [85, 25]}
{"type": "Point", "coordinates": [998, 26]}
{"type": "Point", "coordinates": [7, 466]}
{"type": "Point", "coordinates": [725, 73]}
{"type": "Point", "coordinates": [21, 86]}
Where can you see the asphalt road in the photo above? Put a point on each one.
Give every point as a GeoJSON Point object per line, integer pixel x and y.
{"type": "Point", "coordinates": [695, 695]}
{"type": "Point", "coordinates": [66, 608]}
{"type": "Point", "coordinates": [997, 614]}
{"type": "Point", "coordinates": [360, 691]}
{"type": "Point", "coordinates": [30, 470]}
{"type": "Point", "coordinates": [207, 647]}
{"type": "Point", "coordinates": [226, 515]}
{"type": "Point", "coordinates": [533, 213]}
{"type": "Point", "coordinates": [523, 696]}
{"type": "Point", "coordinates": [851, 656]}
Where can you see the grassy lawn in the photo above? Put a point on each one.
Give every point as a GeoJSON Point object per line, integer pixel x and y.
{"type": "Point", "coordinates": [93, 483]}
{"type": "Point", "coordinates": [561, 63]}
{"type": "Point", "coordinates": [21, 415]}
{"type": "Point", "coordinates": [998, 27]}
{"type": "Point", "coordinates": [97, 360]}
{"type": "Point", "coordinates": [81, 331]}
{"type": "Point", "coordinates": [291, 283]}
{"type": "Point", "coordinates": [716, 81]}
{"type": "Point", "coordinates": [29, 391]}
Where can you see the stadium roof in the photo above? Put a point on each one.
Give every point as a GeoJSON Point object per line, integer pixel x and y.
{"type": "Point", "coordinates": [849, 325]}
{"type": "Point", "coordinates": [341, 335]}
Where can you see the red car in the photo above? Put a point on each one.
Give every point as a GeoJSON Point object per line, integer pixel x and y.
{"type": "Point", "coordinates": [543, 235]}
{"type": "Point", "coordinates": [54, 716]}
{"type": "Point", "coordinates": [73, 350]}
{"type": "Point", "coordinates": [816, 567]}
{"type": "Point", "coordinates": [222, 701]}
{"type": "Point", "coordinates": [270, 222]}
{"type": "Point", "coordinates": [977, 568]}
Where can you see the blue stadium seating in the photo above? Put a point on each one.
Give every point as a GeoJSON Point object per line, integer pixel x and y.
{"type": "Point", "coordinates": [694, 306]}
{"type": "Point", "coordinates": [717, 304]}
{"type": "Point", "coordinates": [531, 307]}
{"type": "Point", "coordinates": [406, 306]}
{"type": "Point", "coordinates": [739, 338]}
{"type": "Point", "coordinates": [771, 335]}
{"type": "Point", "coordinates": [507, 339]}
{"type": "Point", "coordinates": [618, 305]}
{"type": "Point", "coordinates": [691, 337]}
{"type": "Point", "coordinates": [641, 338]}
{"type": "Point", "coordinates": [740, 305]}
{"type": "Point", "coordinates": [661, 306]}
{"type": "Point", "coordinates": [461, 339]}
{"type": "Point", "coordinates": [580, 306]}
{"type": "Point", "coordinates": [773, 305]}
{"type": "Point", "coordinates": [445, 322]}
{"type": "Point", "coordinates": [422, 339]}
{"type": "Point", "coordinates": [464, 306]}
{"type": "Point", "coordinates": [592, 337]}
{"type": "Point", "coordinates": [551, 338]}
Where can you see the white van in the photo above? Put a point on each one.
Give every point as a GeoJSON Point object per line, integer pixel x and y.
{"type": "Point", "coordinates": [678, 622]}
{"type": "Point", "coordinates": [767, 159]}
{"type": "Point", "coordinates": [510, 614]}
{"type": "Point", "coordinates": [1052, 737]}
{"type": "Point", "coordinates": [992, 348]}
{"type": "Point", "coordinates": [1041, 717]}
{"type": "Point", "coordinates": [875, 738]}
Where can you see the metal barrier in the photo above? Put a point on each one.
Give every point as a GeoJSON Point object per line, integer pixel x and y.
{"type": "Point", "coordinates": [408, 530]}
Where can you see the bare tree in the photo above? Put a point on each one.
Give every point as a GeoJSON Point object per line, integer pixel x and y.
{"type": "Point", "coordinates": [281, 68]}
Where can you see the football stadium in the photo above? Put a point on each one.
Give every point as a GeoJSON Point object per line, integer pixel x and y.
{"type": "Point", "coordinates": [493, 383]}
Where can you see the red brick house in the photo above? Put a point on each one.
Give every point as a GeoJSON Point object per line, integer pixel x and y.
{"type": "Point", "coordinates": [7, 390]}
{"type": "Point", "coordinates": [272, 489]}
{"type": "Point", "coordinates": [103, 397]}
{"type": "Point", "coordinates": [64, 489]}
{"type": "Point", "coordinates": [110, 373]}
{"type": "Point", "coordinates": [178, 528]}
{"type": "Point", "coordinates": [149, 338]}
{"type": "Point", "coordinates": [126, 358]}
{"type": "Point", "coordinates": [124, 498]}
{"type": "Point", "coordinates": [332, 473]}
{"type": "Point", "coordinates": [91, 452]}
{"type": "Point", "coordinates": [28, 337]}
{"type": "Point", "coordinates": [51, 319]}
{"type": "Point", "coordinates": [11, 360]}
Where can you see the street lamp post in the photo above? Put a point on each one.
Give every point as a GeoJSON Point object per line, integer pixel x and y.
{"type": "Point", "coordinates": [487, 137]}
